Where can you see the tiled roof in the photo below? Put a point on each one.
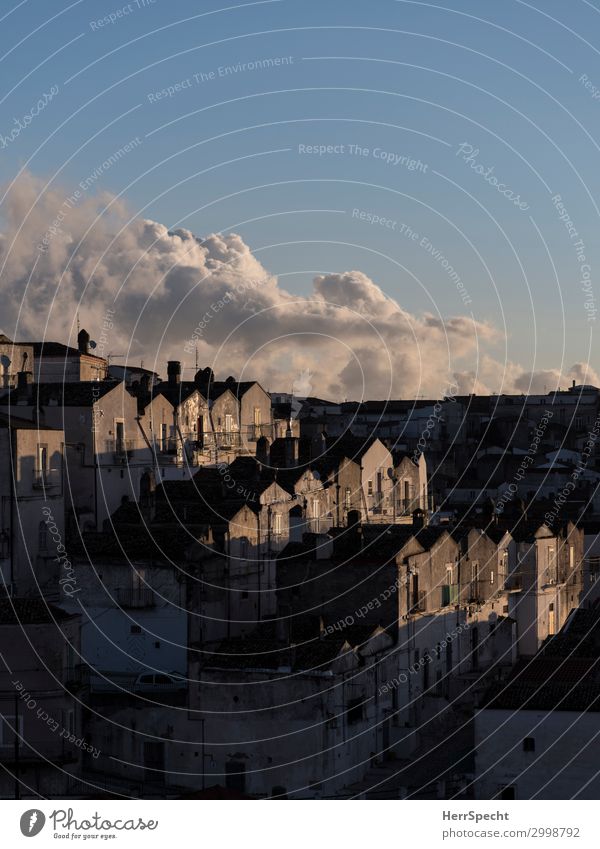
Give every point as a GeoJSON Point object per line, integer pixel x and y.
{"type": "Point", "coordinates": [564, 675]}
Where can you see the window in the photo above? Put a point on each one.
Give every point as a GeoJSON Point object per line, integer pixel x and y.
{"type": "Point", "coordinates": [491, 576]}
{"type": "Point", "coordinates": [277, 524]}
{"type": "Point", "coordinates": [42, 537]}
{"type": "Point", "coordinates": [119, 437]}
{"type": "Point", "coordinates": [348, 498]}
{"type": "Point", "coordinates": [507, 791]}
{"type": "Point", "coordinates": [42, 458]}
{"type": "Point", "coordinates": [69, 721]}
{"type": "Point", "coordinates": [355, 711]}
{"type": "Point", "coordinates": [369, 487]}
{"type": "Point", "coordinates": [228, 423]}
{"type": "Point", "coordinates": [235, 776]}
{"type": "Point", "coordinates": [529, 744]}
{"type": "Point", "coordinates": [138, 578]}
{"type": "Point", "coordinates": [316, 510]}
{"type": "Point", "coordinates": [257, 422]}
{"type": "Point", "coordinates": [571, 556]}
{"type": "Point", "coordinates": [135, 629]}
{"type": "Point", "coordinates": [449, 595]}
{"type": "Point", "coordinates": [8, 725]}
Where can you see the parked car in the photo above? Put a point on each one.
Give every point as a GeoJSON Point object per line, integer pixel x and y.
{"type": "Point", "coordinates": [149, 682]}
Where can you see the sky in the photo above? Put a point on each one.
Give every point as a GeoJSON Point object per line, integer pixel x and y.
{"type": "Point", "coordinates": [363, 199]}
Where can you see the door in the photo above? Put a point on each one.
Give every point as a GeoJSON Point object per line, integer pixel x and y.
{"type": "Point", "coordinates": [154, 761]}
{"type": "Point", "coordinates": [551, 620]}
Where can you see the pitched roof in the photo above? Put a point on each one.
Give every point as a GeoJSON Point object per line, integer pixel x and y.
{"type": "Point", "coordinates": [57, 349]}
{"type": "Point", "coordinates": [76, 394]}
{"type": "Point", "coordinates": [15, 423]}
{"type": "Point", "coordinates": [30, 611]}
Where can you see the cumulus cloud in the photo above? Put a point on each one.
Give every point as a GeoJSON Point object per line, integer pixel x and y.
{"type": "Point", "coordinates": [173, 292]}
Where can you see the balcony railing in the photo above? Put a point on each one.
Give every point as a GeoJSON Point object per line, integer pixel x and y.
{"type": "Point", "coordinates": [46, 478]}
{"type": "Point", "coordinates": [419, 604]}
{"type": "Point", "coordinates": [406, 506]}
{"type": "Point", "coordinates": [133, 597]}
{"type": "Point", "coordinates": [121, 449]}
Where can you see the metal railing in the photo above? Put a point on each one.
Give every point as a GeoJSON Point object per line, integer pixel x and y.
{"type": "Point", "coordinates": [46, 478]}
{"type": "Point", "coordinates": [133, 597]}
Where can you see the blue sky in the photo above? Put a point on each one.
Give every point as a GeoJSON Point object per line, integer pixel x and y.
{"type": "Point", "coordinates": [397, 79]}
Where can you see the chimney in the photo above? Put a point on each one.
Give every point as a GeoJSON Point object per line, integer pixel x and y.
{"type": "Point", "coordinates": [24, 386]}
{"type": "Point", "coordinates": [262, 450]}
{"type": "Point", "coordinates": [174, 372]}
{"type": "Point", "coordinates": [291, 451]}
{"type": "Point", "coordinates": [83, 341]}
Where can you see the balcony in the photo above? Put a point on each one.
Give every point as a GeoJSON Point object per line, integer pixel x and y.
{"type": "Point", "coordinates": [46, 478]}
{"type": "Point", "coordinates": [419, 603]}
{"type": "Point", "coordinates": [135, 598]}
{"type": "Point", "coordinates": [121, 449]}
{"type": "Point", "coordinates": [406, 506]}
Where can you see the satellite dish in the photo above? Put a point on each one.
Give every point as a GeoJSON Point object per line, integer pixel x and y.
{"type": "Point", "coordinates": [92, 344]}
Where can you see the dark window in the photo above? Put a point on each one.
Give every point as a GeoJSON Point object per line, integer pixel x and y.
{"type": "Point", "coordinates": [508, 792]}
{"type": "Point", "coordinates": [355, 712]}
{"type": "Point", "coordinates": [529, 744]}
{"type": "Point", "coordinates": [235, 776]}
{"type": "Point", "coordinates": [135, 629]}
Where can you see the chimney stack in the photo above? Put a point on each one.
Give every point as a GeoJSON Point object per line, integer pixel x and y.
{"type": "Point", "coordinates": [24, 386]}
{"type": "Point", "coordinates": [174, 372]}
{"type": "Point", "coordinates": [83, 341]}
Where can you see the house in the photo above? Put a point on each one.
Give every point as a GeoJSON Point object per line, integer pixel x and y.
{"type": "Point", "coordinates": [189, 434]}
{"type": "Point", "coordinates": [32, 511]}
{"type": "Point", "coordinates": [42, 742]}
{"type": "Point", "coordinates": [548, 580]}
{"type": "Point", "coordinates": [55, 362]}
{"type": "Point", "coordinates": [15, 357]}
{"type": "Point", "coordinates": [535, 733]}
{"type": "Point", "coordinates": [105, 454]}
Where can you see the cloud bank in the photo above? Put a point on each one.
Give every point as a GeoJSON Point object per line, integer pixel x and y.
{"type": "Point", "coordinates": [172, 293]}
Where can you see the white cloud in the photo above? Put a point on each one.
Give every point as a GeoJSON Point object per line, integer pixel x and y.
{"type": "Point", "coordinates": [353, 339]}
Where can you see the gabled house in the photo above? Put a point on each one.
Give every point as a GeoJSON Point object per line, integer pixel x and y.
{"type": "Point", "coordinates": [32, 512]}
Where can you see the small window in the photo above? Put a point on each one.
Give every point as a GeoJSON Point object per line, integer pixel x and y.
{"type": "Point", "coordinates": [348, 497]}
{"type": "Point", "coordinates": [369, 487]}
{"type": "Point", "coordinates": [529, 744]}
{"type": "Point", "coordinates": [8, 725]}
{"type": "Point", "coordinates": [491, 576]}
{"type": "Point", "coordinates": [43, 537]}
{"type": "Point", "coordinates": [135, 629]}
{"type": "Point", "coordinates": [571, 556]}
{"type": "Point", "coordinates": [507, 791]}
{"type": "Point", "coordinates": [355, 711]}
